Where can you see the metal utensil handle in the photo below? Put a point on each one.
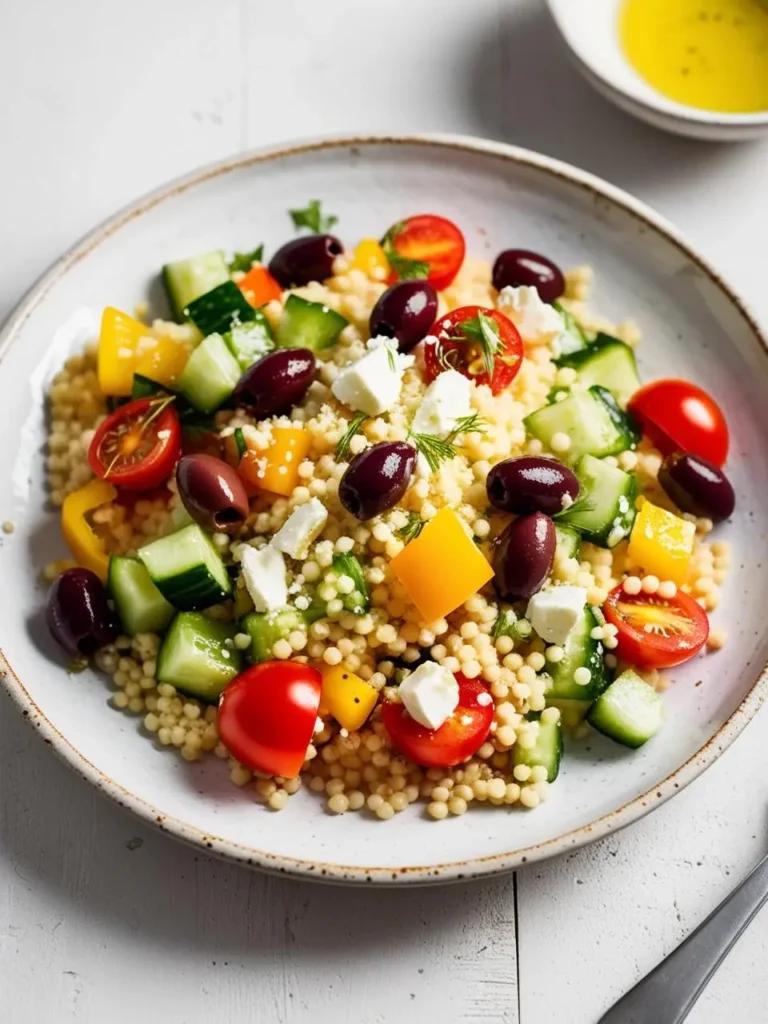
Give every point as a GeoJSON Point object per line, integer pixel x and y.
{"type": "Point", "coordinates": [667, 994]}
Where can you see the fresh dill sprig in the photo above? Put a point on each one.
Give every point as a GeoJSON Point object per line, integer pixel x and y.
{"type": "Point", "coordinates": [404, 269]}
{"type": "Point", "coordinates": [483, 331]}
{"type": "Point", "coordinates": [355, 424]}
{"type": "Point", "coordinates": [242, 261]}
{"type": "Point", "coordinates": [313, 218]}
{"type": "Point", "coordinates": [434, 449]}
{"type": "Point", "coordinates": [474, 424]}
{"type": "Point", "coordinates": [391, 359]}
{"type": "Point", "coordinates": [412, 528]}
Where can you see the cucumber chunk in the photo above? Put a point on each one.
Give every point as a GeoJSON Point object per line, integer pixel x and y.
{"type": "Point", "coordinates": [567, 542]}
{"type": "Point", "coordinates": [249, 342]}
{"type": "Point", "coordinates": [590, 423]}
{"type": "Point", "coordinates": [630, 711]}
{"type": "Point", "coordinates": [265, 629]}
{"type": "Point", "coordinates": [625, 425]}
{"type": "Point", "coordinates": [547, 751]}
{"type": "Point", "coordinates": [186, 569]}
{"type": "Point", "coordinates": [308, 325]}
{"type": "Point", "coordinates": [219, 309]}
{"type": "Point", "coordinates": [607, 362]}
{"type": "Point", "coordinates": [210, 376]}
{"type": "Point", "coordinates": [145, 387]}
{"type": "Point", "coordinates": [187, 280]}
{"type": "Point", "coordinates": [140, 606]}
{"type": "Point", "coordinates": [605, 511]}
{"type": "Point", "coordinates": [581, 651]}
{"type": "Point", "coordinates": [196, 657]}
{"type": "Point", "coordinates": [573, 339]}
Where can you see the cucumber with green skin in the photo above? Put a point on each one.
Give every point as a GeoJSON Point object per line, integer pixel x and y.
{"type": "Point", "coordinates": [186, 280]}
{"type": "Point", "coordinates": [607, 362]}
{"type": "Point", "coordinates": [547, 751]}
{"type": "Point", "coordinates": [311, 325]}
{"type": "Point", "coordinates": [605, 511]}
{"type": "Point", "coordinates": [186, 568]}
{"type": "Point", "coordinates": [250, 341]}
{"type": "Point", "coordinates": [220, 309]}
{"type": "Point", "coordinates": [581, 650]}
{"type": "Point", "coordinates": [210, 376]}
{"type": "Point", "coordinates": [629, 711]}
{"type": "Point", "coordinates": [198, 656]}
{"type": "Point", "coordinates": [265, 629]}
{"type": "Point", "coordinates": [140, 606]}
{"type": "Point", "coordinates": [591, 420]}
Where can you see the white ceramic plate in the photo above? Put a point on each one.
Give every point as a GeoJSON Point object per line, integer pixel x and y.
{"type": "Point", "coordinates": [694, 327]}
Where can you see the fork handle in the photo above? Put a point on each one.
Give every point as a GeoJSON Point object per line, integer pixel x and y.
{"type": "Point", "coordinates": [667, 994]}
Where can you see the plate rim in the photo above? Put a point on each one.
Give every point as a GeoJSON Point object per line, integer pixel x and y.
{"type": "Point", "coordinates": [453, 870]}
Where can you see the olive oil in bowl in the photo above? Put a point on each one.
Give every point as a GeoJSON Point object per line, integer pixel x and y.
{"type": "Point", "coordinates": [710, 54]}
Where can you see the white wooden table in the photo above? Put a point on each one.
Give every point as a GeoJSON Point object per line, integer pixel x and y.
{"type": "Point", "coordinates": [104, 920]}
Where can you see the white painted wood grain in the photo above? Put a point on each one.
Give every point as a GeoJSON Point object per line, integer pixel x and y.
{"type": "Point", "coordinates": [102, 919]}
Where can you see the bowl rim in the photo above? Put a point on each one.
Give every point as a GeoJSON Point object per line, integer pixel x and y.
{"type": "Point", "coordinates": [453, 870]}
{"type": "Point", "coordinates": [652, 99]}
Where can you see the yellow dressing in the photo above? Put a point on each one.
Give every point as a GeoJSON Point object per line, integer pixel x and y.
{"type": "Point", "coordinates": [711, 54]}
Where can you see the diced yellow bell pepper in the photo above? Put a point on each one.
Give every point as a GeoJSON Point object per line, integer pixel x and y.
{"type": "Point", "coordinates": [118, 351]}
{"type": "Point", "coordinates": [164, 361]}
{"type": "Point", "coordinates": [369, 257]}
{"type": "Point", "coordinates": [442, 567]}
{"type": "Point", "coordinates": [277, 468]}
{"type": "Point", "coordinates": [84, 543]}
{"type": "Point", "coordinates": [347, 697]}
{"type": "Point", "coordinates": [661, 543]}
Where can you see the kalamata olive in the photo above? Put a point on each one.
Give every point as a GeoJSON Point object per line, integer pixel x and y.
{"type": "Point", "coordinates": [305, 259]}
{"type": "Point", "coordinates": [377, 479]}
{"type": "Point", "coordinates": [517, 267]}
{"type": "Point", "coordinates": [523, 555]}
{"type": "Point", "coordinates": [277, 382]}
{"type": "Point", "coordinates": [212, 493]}
{"type": "Point", "coordinates": [405, 311]}
{"type": "Point", "coordinates": [78, 615]}
{"type": "Point", "coordinates": [697, 486]}
{"type": "Point", "coordinates": [531, 484]}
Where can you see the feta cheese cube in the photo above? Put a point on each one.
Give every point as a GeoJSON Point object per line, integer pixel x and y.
{"type": "Point", "coordinates": [302, 526]}
{"type": "Point", "coordinates": [265, 578]}
{"type": "Point", "coordinates": [538, 322]}
{"type": "Point", "coordinates": [430, 694]}
{"type": "Point", "coordinates": [445, 401]}
{"type": "Point", "coordinates": [372, 383]}
{"type": "Point", "coordinates": [553, 613]}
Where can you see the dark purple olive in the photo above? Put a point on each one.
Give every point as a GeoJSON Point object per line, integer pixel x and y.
{"type": "Point", "coordinates": [212, 493]}
{"type": "Point", "coordinates": [78, 615]}
{"type": "Point", "coordinates": [517, 267]}
{"type": "Point", "coordinates": [277, 382]}
{"type": "Point", "coordinates": [523, 555]}
{"type": "Point", "coordinates": [305, 259]}
{"type": "Point", "coordinates": [405, 311]}
{"type": "Point", "coordinates": [531, 484]}
{"type": "Point", "coordinates": [377, 478]}
{"type": "Point", "coordinates": [697, 486]}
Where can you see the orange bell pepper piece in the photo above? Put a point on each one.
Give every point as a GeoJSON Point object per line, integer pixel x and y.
{"type": "Point", "coordinates": [369, 257]}
{"type": "Point", "coordinates": [259, 287]}
{"type": "Point", "coordinates": [84, 543]}
{"type": "Point", "coordinates": [277, 468]}
{"type": "Point", "coordinates": [442, 567]}
{"type": "Point", "coordinates": [662, 543]}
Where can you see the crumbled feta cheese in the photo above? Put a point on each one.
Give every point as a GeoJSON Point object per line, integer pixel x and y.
{"type": "Point", "coordinates": [430, 694]}
{"type": "Point", "coordinates": [372, 383]}
{"type": "Point", "coordinates": [264, 575]}
{"type": "Point", "coordinates": [445, 401]}
{"type": "Point", "coordinates": [484, 699]}
{"type": "Point", "coordinates": [302, 526]}
{"type": "Point", "coordinates": [553, 613]}
{"type": "Point", "coordinates": [537, 321]}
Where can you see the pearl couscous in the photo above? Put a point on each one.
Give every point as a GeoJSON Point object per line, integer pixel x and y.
{"type": "Point", "coordinates": [384, 523]}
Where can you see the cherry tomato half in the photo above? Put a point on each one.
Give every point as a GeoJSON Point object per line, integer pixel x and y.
{"type": "Point", "coordinates": [267, 716]}
{"type": "Point", "coordinates": [138, 445]}
{"type": "Point", "coordinates": [656, 632]}
{"type": "Point", "coordinates": [426, 238]}
{"type": "Point", "coordinates": [458, 738]}
{"type": "Point", "coordinates": [455, 342]}
{"type": "Point", "coordinates": [678, 416]}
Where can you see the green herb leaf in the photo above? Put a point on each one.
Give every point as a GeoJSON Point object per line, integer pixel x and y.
{"type": "Point", "coordinates": [434, 449]}
{"type": "Point", "coordinates": [580, 505]}
{"type": "Point", "coordinates": [243, 260]}
{"type": "Point", "coordinates": [404, 269]}
{"type": "Point", "coordinates": [355, 424]}
{"type": "Point", "coordinates": [391, 359]}
{"type": "Point", "coordinates": [473, 424]}
{"type": "Point", "coordinates": [313, 218]}
{"type": "Point", "coordinates": [240, 442]}
{"type": "Point", "coordinates": [358, 601]}
{"type": "Point", "coordinates": [412, 528]}
{"type": "Point", "coordinates": [481, 330]}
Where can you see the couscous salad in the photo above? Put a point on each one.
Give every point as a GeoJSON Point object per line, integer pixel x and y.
{"type": "Point", "coordinates": [388, 522]}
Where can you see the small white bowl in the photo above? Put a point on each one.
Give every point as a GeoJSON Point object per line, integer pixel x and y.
{"type": "Point", "coordinates": [590, 29]}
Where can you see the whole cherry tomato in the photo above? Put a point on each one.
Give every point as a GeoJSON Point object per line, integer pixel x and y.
{"type": "Point", "coordinates": [138, 445]}
{"type": "Point", "coordinates": [678, 416]}
{"type": "Point", "coordinates": [471, 340]}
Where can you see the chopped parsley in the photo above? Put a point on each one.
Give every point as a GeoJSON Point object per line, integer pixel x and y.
{"type": "Point", "coordinates": [404, 269]}
{"type": "Point", "coordinates": [313, 218]}
{"type": "Point", "coordinates": [242, 261]}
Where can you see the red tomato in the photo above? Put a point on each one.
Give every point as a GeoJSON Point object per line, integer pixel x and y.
{"type": "Point", "coordinates": [138, 445]}
{"type": "Point", "coordinates": [267, 716]}
{"type": "Point", "coordinates": [427, 238]}
{"type": "Point", "coordinates": [656, 632]}
{"type": "Point", "coordinates": [447, 347]}
{"type": "Point", "coordinates": [678, 416]}
{"type": "Point", "coordinates": [458, 738]}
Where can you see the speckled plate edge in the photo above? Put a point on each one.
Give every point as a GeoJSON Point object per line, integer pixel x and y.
{"type": "Point", "coordinates": [452, 871]}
